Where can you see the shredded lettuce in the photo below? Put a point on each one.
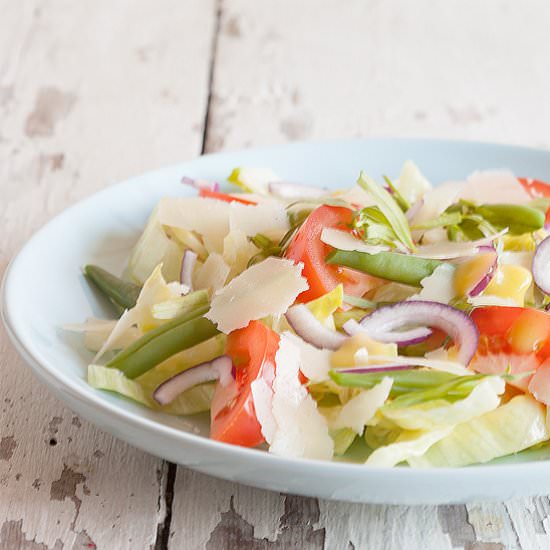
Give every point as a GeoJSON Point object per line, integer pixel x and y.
{"type": "Point", "coordinates": [324, 306]}
{"type": "Point", "coordinates": [513, 427]}
{"type": "Point", "coordinates": [342, 440]}
{"type": "Point", "coordinates": [193, 401]}
{"type": "Point", "coordinates": [361, 409]}
{"type": "Point", "coordinates": [154, 247]}
{"type": "Point", "coordinates": [440, 413]}
{"type": "Point", "coordinates": [406, 447]}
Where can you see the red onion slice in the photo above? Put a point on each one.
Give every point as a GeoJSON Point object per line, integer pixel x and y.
{"type": "Point", "coordinates": [287, 190]}
{"type": "Point", "coordinates": [310, 329]}
{"type": "Point", "coordinates": [188, 263]}
{"type": "Point", "coordinates": [199, 184]}
{"type": "Point", "coordinates": [220, 369]}
{"type": "Point", "coordinates": [403, 338]}
{"type": "Point", "coordinates": [486, 278]}
{"type": "Point", "coordinates": [541, 266]}
{"type": "Point", "coordinates": [384, 324]}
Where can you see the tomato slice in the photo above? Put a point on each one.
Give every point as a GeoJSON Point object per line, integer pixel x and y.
{"type": "Point", "coordinates": [207, 194]}
{"type": "Point", "coordinates": [513, 337]}
{"type": "Point", "coordinates": [252, 350]}
{"type": "Point", "coordinates": [307, 247]}
{"type": "Point", "coordinates": [536, 188]}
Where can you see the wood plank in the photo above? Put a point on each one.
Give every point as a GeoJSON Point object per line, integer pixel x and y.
{"type": "Point", "coordinates": [88, 95]}
{"type": "Point", "coordinates": [311, 70]}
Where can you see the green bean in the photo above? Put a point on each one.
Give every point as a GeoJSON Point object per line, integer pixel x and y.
{"type": "Point", "coordinates": [159, 344]}
{"type": "Point", "coordinates": [122, 294]}
{"type": "Point", "coordinates": [393, 266]}
{"type": "Point", "coordinates": [456, 388]}
{"type": "Point", "coordinates": [518, 219]}
{"type": "Point", "coordinates": [404, 381]}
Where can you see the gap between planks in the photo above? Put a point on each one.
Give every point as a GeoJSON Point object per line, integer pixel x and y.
{"type": "Point", "coordinates": [163, 530]}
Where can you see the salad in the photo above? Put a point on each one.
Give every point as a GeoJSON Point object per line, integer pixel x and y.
{"type": "Point", "coordinates": [391, 322]}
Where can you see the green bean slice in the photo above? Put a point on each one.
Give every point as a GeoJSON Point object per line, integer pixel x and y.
{"type": "Point", "coordinates": [519, 219]}
{"type": "Point", "coordinates": [404, 381]}
{"type": "Point", "coordinates": [393, 266]}
{"type": "Point", "coordinates": [121, 293]}
{"type": "Point", "coordinates": [159, 344]}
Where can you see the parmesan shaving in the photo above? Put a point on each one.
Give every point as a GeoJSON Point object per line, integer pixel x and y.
{"type": "Point", "coordinates": [208, 217]}
{"type": "Point", "coordinates": [342, 240]}
{"type": "Point", "coordinates": [268, 218]}
{"type": "Point", "coordinates": [301, 431]}
{"type": "Point", "coordinates": [267, 288]}
{"type": "Point", "coordinates": [212, 274]}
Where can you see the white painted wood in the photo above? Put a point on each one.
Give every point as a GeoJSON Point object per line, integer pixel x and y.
{"type": "Point", "coordinates": [93, 94]}
{"type": "Point", "coordinates": [90, 93]}
{"type": "Point", "coordinates": [328, 69]}
{"type": "Point", "coordinates": [203, 504]}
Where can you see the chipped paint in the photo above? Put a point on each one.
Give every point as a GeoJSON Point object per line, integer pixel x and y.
{"type": "Point", "coordinates": [65, 487]}
{"type": "Point", "coordinates": [53, 425]}
{"type": "Point", "coordinates": [51, 106]}
{"type": "Point", "coordinates": [296, 528]}
{"type": "Point", "coordinates": [75, 421]}
{"type": "Point", "coordinates": [12, 536]}
{"type": "Point", "coordinates": [233, 28]}
{"type": "Point", "coordinates": [454, 523]}
{"type": "Point", "coordinates": [7, 447]}
{"type": "Point", "coordinates": [297, 126]}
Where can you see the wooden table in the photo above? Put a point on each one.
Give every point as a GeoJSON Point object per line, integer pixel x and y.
{"type": "Point", "coordinates": [95, 92]}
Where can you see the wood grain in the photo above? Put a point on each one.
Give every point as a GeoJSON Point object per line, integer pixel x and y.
{"type": "Point", "coordinates": [93, 93]}
{"type": "Point", "coordinates": [89, 94]}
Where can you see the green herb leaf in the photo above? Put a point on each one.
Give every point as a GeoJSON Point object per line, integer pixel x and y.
{"type": "Point", "coordinates": [444, 220]}
{"type": "Point", "coordinates": [399, 199]}
{"type": "Point", "coordinates": [389, 208]}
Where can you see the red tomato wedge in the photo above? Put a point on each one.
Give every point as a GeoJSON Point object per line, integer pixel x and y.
{"type": "Point", "coordinates": [513, 337]}
{"type": "Point", "coordinates": [207, 194]}
{"type": "Point", "coordinates": [307, 247]}
{"type": "Point", "coordinates": [252, 350]}
{"type": "Point", "coordinates": [536, 188]}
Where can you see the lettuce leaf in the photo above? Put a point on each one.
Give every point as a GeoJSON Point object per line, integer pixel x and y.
{"type": "Point", "coordinates": [408, 445]}
{"type": "Point", "coordinates": [361, 409]}
{"type": "Point", "coordinates": [154, 248]}
{"type": "Point", "coordinates": [513, 427]}
{"type": "Point", "coordinates": [324, 306]}
{"type": "Point", "coordinates": [440, 413]}
{"type": "Point", "coordinates": [193, 401]}
{"type": "Point", "coordinates": [342, 440]}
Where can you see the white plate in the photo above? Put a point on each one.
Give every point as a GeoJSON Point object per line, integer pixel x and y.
{"type": "Point", "coordinates": [44, 289]}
